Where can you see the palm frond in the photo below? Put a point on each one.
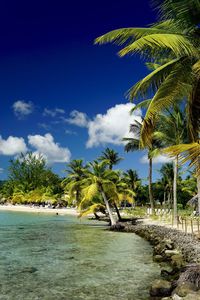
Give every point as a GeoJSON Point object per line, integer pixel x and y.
{"type": "Point", "coordinates": [152, 81]}
{"type": "Point", "coordinates": [178, 44]}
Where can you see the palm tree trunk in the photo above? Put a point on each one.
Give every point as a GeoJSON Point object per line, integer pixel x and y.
{"type": "Point", "coordinates": [112, 220]}
{"type": "Point", "coordinates": [117, 211]}
{"type": "Point", "coordinates": [175, 162]}
{"type": "Point", "coordinates": [150, 186]}
{"type": "Point", "coordinates": [198, 193]}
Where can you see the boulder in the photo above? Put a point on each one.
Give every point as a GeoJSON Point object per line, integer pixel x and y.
{"type": "Point", "coordinates": [177, 261]}
{"type": "Point", "coordinates": [158, 258]}
{"type": "Point", "coordinates": [160, 288]}
{"type": "Point", "coordinates": [191, 276]}
{"type": "Point", "coordinates": [192, 296]}
{"type": "Point", "coordinates": [170, 253]}
{"type": "Point", "coordinates": [184, 289]}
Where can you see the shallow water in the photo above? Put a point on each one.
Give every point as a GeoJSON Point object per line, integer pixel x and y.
{"type": "Point", "coordinates": [53, 257]}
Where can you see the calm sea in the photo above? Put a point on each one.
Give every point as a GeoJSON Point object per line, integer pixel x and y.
{"type": "Point", "coordinates": [50, 257]}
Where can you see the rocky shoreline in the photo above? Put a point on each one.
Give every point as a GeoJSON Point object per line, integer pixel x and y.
{"type": "Point", "coordinates": [178, 250]}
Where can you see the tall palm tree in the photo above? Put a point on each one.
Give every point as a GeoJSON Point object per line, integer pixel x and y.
{"type": "Point", "coordinates": [167, 173]}
{"type": "Point", "coordinates": [189, 152]}
{"type": "Point", "coordinates": [133, 144]}
{"type": "Point", "coordinates": [171, 130]}
{"type": "Point", "coordinates": [173, 47]}
{"type": "Point", "coordinates": [131, 178]}
{"type": "Point", "coordinates": [112, 158]}
{"type": "Point", "coordinates": [72, 183]}
{"type": "Point", "coordinates": [100, 180]}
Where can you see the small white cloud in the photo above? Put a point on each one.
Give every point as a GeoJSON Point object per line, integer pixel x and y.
{"type": "Point", "coordinates": [22, 108]}
{"type": "Point", "coordinates": [44, 126]}
{"type": "Point", "coordinates": [160, 159]}
{"type": "Point", "coordinates": [12, 146]}
{"type": "Point", "coordinates": [70, 132]}
{"type": "Point", "coordinates": [77, 118]}
{"type": "Point", "coordinates": [1, 170]}
{"type": "Point", "coordinates": [53, 112]}
{"type": "Point", "coordinates": [48, 148]}
{"type": "Point", "coordinates": [112, 126]}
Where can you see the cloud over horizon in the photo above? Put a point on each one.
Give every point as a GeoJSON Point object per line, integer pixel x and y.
{"type": "Point", "coordinates": [51, 150]}
{"type": "Point", "coordinates": [12, 145]}
{"type": "Point", "coordinates": [113, 126]}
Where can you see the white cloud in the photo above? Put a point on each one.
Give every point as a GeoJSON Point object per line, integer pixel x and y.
{"type": "Point", "coordinates": [48, 148]}
{"type": "Point", "coordinates": [13, 145]}
{"type": "Point", "coordinates": [22, 108]}
{"type": "Point", "coordinates": [78, 118]}
{"type": "Point", "coordinates": [1, 170]}
{"type": "Point", "coordinates": [112, 126]}
{"type": "Point", "coordinates": [160, 159]}
{"type": "Point", "coordinates": [53, 112]}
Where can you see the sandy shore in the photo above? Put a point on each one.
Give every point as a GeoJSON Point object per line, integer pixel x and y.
{"type": "Point", "coordinates": [24, 208]}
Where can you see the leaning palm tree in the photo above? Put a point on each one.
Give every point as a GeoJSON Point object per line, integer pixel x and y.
{"type": "Point", "coordinates": [99, 180]}
{"type": "Point", "coordinates": [112, 158]}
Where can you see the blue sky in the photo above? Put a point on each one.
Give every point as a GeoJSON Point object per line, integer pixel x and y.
{"type": "Point", "coordinates": [60, 94]}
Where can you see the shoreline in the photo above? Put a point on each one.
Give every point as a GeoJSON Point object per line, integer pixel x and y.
{"type": "Point", "coordinates": [181, 252]}
{"type": "Point", "coordinates": [24, 208]}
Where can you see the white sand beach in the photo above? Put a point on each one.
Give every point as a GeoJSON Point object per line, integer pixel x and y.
{"type": "Point", "coordinates": [24, 208]}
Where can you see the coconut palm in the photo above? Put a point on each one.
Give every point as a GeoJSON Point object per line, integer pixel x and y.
{"type": "Point", "coordinates": [131, 178]}
{"type": "Point", "coordinates": [167, 179]}
{"type": "Point", "coordinates": [173, 48]}
{"type": "Point", "coordinates": [100, 180]}
{"type": "Point", "coordinates": [191, 153]}
{"type": "Point", "coordinates": [133, 144]}
{"type": "Point", "coordinates": [112, 158]}
{"type": "Point", "coordinates": [171, 130]}
{"type": "Point", "coordinates": [73, 182]}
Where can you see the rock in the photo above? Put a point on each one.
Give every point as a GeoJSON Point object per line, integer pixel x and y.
{"type": "Point", "coordinates": [170, 253]}
{"type": "Point", "coordinates": [192, 296]}
{"type": "Point", "coordinates": [158, 258]}
{"type": "Point", "coordinates": [177, 261]}
{"type": "Point", "coordinates": [184, 289]}
{"type": "Point", "coordinates": [191, 276]}
{"type": "Point", "coordinates": [176, 297]}
{"type": "Point", "coordinates": [160, 288]}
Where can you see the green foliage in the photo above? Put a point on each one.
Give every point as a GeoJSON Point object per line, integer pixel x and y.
{"type": "Point", "coordinates": [30, 181]}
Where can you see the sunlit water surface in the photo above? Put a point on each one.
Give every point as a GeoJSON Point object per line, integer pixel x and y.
{"type": "Point", "coordinates": [53, 257]}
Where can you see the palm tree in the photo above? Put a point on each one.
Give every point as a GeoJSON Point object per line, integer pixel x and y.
{"type": "Point", "coordinates": [131, 178]}
{"type": "Point", "coordinates": [133, 144]}
{"type": "Point", "coordinates": [73, 182]}
{"type": "Point", "coordinates": [111, 157]}
{"type": "Point", "coordinates": [167, 180]}
{"type": "Point", "coordinates": [173, 47]}
{"type": "Point", "coordinates": [171, 130]}
{"type": "Point", "coordinates": [99, 180]}
{"type": "Point", "coordinates": [189, 152]}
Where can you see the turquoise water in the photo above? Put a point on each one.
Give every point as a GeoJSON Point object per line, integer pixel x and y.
{"type": "Point", "coordinates": [53, 257]}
